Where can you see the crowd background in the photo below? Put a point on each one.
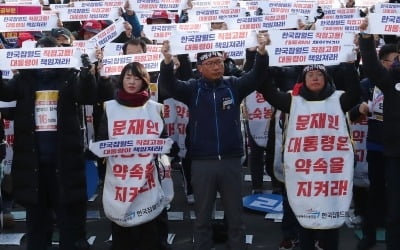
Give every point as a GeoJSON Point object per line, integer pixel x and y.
{"type": "Point", "coordinates": [259, 159]}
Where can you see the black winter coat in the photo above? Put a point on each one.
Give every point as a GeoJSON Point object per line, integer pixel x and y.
{"type": "Point", "coordinates": [388, 81]}
{"type": "Point", "coordinates": [74, 89]}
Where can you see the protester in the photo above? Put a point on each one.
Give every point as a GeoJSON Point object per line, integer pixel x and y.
{"type": "Point", "coordinates": [387, 80]}
{"type": "Point", "coordinates": [48, 169]}
{"type": "Point", "coordinates": [63, 36]}
{"type": "Point", "coordinates": [215, 140]}
{"type": "Point", "coordinates": [90, 29]}
{"type": "Point", "coordinates": [315, 90]}
{"type": "Point", "coordinates": [130, 16]}
{"type": "Point", "coordinates": [132, 102]}
{"type": "Point", "coordinates": [376, 202]}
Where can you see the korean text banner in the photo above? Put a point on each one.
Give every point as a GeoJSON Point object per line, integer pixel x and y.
{"type": "Point", "coordinates": [113, 65]}
{"type": "Point", "coordinates": [9, 23]}
{"type": "Point", "coordinates": [227, 40]}
{"type": "Point", "coordinates": [130, 146]}
{"type": "Point", "coordinates": [88, 13]}
{"type": "Point", "coordinates": [302, 47]}
{"type": "Point", "coordinates": [386, 24]}
{"type": "Point", "coordinates": [108, 34]}
{"type": "Point", "coordinates": [55, 57]}
{"type": "Point", "coordinates": [154, 4]}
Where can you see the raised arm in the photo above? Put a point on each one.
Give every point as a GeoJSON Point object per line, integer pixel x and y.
{"type": "Point", "coordinates": [251, 80]}
{"type": "Point", "coordinates": [373, 69]}
{"type": "Point", "coordinates": [278, 99]}
{"type": "Point", "coordinates": [352, 81]}
{"type": "Point", "coordinates": [167, 82]}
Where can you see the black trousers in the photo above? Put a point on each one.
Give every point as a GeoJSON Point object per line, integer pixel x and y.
{"type": "Point", "coordinates": [148, 236]}
{"type": "Point", "coordinates": [328, 237]}
{"type": "Point", "coordinates": [41, 217]}
{"type": "Point", "coordinates": [376, 202]}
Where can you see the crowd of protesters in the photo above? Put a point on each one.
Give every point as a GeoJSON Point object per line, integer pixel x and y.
{"type": "Point", "coordinates": [48, 164]}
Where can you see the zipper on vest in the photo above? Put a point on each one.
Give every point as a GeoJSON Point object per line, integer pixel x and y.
{"type": "Point", "coordinates": [216, 124]}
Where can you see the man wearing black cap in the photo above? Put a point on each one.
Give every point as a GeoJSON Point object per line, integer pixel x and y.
{"type": "Point", "coordinates": [62, 35]}
{"type": "Point", "coordinates": [215, 141]}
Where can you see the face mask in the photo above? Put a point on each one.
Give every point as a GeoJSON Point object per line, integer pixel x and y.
{"type": "Point", "coordinates": [396, 64]}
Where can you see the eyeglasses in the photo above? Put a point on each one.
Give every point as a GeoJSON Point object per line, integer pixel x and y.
{"type": "Point", "coordinates": [395, 59]}
{"type": "Point", "coordinates": [213, 63]}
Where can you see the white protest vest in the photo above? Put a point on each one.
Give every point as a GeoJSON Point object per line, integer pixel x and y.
{"type": "Point", "coordinates": [170, 118]}
{"type": "Point", "coordinates": [359, 131]}
{"type": "Point", "coordinates": [318, 162]}
{"type": "Point", "coordinates": [182, 120]}
{"type": "Point", "coordinates": [259, 114]}
{"type": "Point", "coordinates": [132, 192]}
{"type": "Point", "coordinates": [278, 162]}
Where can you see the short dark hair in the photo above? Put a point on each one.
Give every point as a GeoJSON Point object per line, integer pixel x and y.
{"type": "Point", "coordinates": [386, 50]}
{"type": "Point", "coordinates": [134, 41]}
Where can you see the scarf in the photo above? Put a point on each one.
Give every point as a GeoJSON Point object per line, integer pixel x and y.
{"type": "Point", "coordinates": [132, 100]}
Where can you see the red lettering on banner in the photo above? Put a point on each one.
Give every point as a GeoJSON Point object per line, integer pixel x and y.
{"type": "Point", "coordinates": [170, 128]}
{"type": "Point", "coordinates": [6, 124]}
{"type": "Point", "coordinates": [304, 188]}
{"type": "Point", "coordinates": [267, 113]}
{"type": "Point", "coordinates": [359, 154]}
{"type": "Point", "coordinates": [181, 128]}
{"type": "Point", "coordinates": [358, 136]}
{"type": "Point", "coordinates": [333, 121]}
{"type": "Point", "coordinates": [339, 188]}
{"type": "Point", "coordinates": [10, 140]}
{"type": "Point", "coordinates": [136, 127]}
{"type": "Point", "coordinates": [119, 127]}
{"type": "Point", "coordinates": [336, 165]}
{"type": "Point", "coordinates": [321, 187]}
{"type": "Point", "coordinates": [320, 165]}
{"type": "Point", "coordinates": [259, 98]}
{"type": "Point", "coordinates": [342, 144]}
{"type": "Point", "coordinates": [325, 188]}
{"type": "Point", "coordinates": [120, 193]}
{"type": "Point", "coordinates": [302, 122]}
{"type": "Point", "coordinates": [310, 143]}
{"type": "Point", "coordinates": [303, 165]}
{"type": "Point", "coordinates": [149, 178]}
{"type": "Point", "coordinates": [327, 142]}
{"type": "Point", "coordinates": [182, 111]}
{"type": "Point", "coordinates": [167, 111]}
{"type": "Point", "coordinates": [318, 120]}
{"type": "Point", "coordinates": [133, 192]}
{"type": "Point", "coordinates": [120, 171]}
{"type": "Point", "coordinates": [294, 144]}
{"type": "Point", "coordinates": [136, 172]}
{"type": "Point", "coordinates": [152, 127]}
{"type": "Point", "coordinates": [257, 114]}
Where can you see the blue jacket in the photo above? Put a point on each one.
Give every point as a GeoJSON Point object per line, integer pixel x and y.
{"type": "Point", "coordinates": [214, 109]}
